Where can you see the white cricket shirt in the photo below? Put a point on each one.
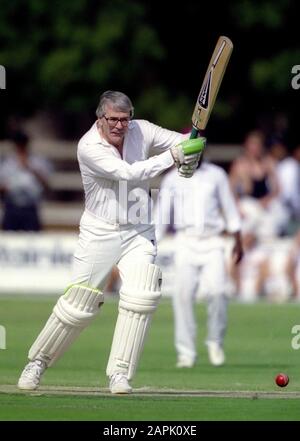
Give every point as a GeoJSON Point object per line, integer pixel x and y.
{"type": "Point", "coordinates": [117, 189]}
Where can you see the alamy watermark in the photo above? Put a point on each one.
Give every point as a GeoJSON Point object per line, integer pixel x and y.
{"type": "Point", "coordinates": [295, 343]}
{"type": "Point", "coordinates": [296, 79]}
{"type": "Point", "coordinates": [182, 207]}
{"type": "Point", "coordinates": [2, 77]}
{"type": "Point", "coordinates": [2, 337]}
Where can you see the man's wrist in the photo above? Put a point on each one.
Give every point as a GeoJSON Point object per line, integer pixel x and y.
{"type": "Point", "coordinates": [167, 158]}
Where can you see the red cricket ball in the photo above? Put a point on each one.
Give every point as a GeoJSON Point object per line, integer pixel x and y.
{"type": "Point", "coordinates": [282, 380]}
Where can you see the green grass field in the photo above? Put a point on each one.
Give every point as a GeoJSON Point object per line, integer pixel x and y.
{"type": "Point", "coordinates": [258, 346]}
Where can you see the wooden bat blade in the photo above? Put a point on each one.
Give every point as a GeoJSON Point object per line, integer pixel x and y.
{"type": "Point", "coordinates": [211, 83]}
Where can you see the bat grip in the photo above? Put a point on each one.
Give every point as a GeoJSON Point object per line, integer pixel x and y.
{"type": "Point", "coordinates": [194, 133]}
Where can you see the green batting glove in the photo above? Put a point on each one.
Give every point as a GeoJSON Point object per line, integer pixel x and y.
{"type": "Point", "coordinates": [188, 151]}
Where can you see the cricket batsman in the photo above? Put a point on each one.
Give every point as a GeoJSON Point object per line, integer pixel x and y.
{"type": "Point", "coordinates": [115, 229]}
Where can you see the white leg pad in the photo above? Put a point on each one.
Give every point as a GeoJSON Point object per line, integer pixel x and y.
{"type": "Point", "coordinates": [138, 301]}
{"type": "Point", "coordinates": [71, 314]}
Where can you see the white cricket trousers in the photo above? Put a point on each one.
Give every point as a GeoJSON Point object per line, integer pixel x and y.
{"type": "Point", "coordinates": [199, 262]}
{"type": "Point", "coordinates": [102, 245]}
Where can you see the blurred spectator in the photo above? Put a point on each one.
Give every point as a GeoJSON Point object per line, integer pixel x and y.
{"type": "Point", "coordinates": [255, 184]}
{"type": "Point", "coordinates": [288, 172]}
{"type": "Point", "coordinates": [251, 274]}
{"type": "Point", "coordinates": [277, 285]}
{"type": "Point", "coordinates": [262, 272]}
{"type": "Point", "coordinates": [23, 178]}
{"type": "Point", "coordinates": [293, 267]}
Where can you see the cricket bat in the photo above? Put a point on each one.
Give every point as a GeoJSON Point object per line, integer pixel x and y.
{"type": "Point", "coordinates": [211, 85]}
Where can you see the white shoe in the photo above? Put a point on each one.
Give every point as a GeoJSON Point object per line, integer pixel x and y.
{"type": "Point", "coordinates": [118, 384]}
{"type": "Point", "coordinates": [185, 362]}
{"type": "Point", "coordinates": [31, 375]}
{"type": "Point", "coordinates": [215, 353]}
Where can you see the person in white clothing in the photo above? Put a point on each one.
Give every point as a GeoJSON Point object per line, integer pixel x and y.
{"type": "Point", "coordinates": [288, 175]}
{"type": "Point", "coordinates": [24, 179]}
{"type": "Point", "coordinates": [289, 179]}
{"type": "Point", "coordinates": [293, 266]}
{"type": "Point", "coordinates": [115, 229]}
{"type": "Point", "coordinates": [251, 275]}
{"type": "Point", "coordinates": [209, 210]}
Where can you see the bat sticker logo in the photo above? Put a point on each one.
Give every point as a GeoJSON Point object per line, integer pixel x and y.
{"type": "Point", "coordinates": [210, 85]}
{"type": "Point", "coordinates": [203, 98]}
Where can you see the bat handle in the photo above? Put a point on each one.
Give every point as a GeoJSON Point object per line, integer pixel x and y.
{"type": "Point", "coordinates": [194, 133]}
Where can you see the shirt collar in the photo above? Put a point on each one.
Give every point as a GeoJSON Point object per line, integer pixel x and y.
{"type": "Point", "coordinates": [94, 137]}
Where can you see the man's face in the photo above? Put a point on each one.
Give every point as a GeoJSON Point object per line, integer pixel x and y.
{"type": "Point", "coordinates": [114, 125]}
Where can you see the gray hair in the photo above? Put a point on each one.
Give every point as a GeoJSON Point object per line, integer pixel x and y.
{"type": "Point", "coordinates": [118, 100]}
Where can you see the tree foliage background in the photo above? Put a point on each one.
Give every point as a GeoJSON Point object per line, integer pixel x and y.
{"type": "Point", "coordinates": [60, 55]}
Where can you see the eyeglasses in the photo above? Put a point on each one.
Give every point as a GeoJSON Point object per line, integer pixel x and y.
{"type": "Point", "coordinates": [113, 121]}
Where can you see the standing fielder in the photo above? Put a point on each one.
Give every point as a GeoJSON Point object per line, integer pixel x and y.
{"type": "Point", "coordinates": [115, 170]}
{"type": "Point", "coordinates": [209, 210]}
